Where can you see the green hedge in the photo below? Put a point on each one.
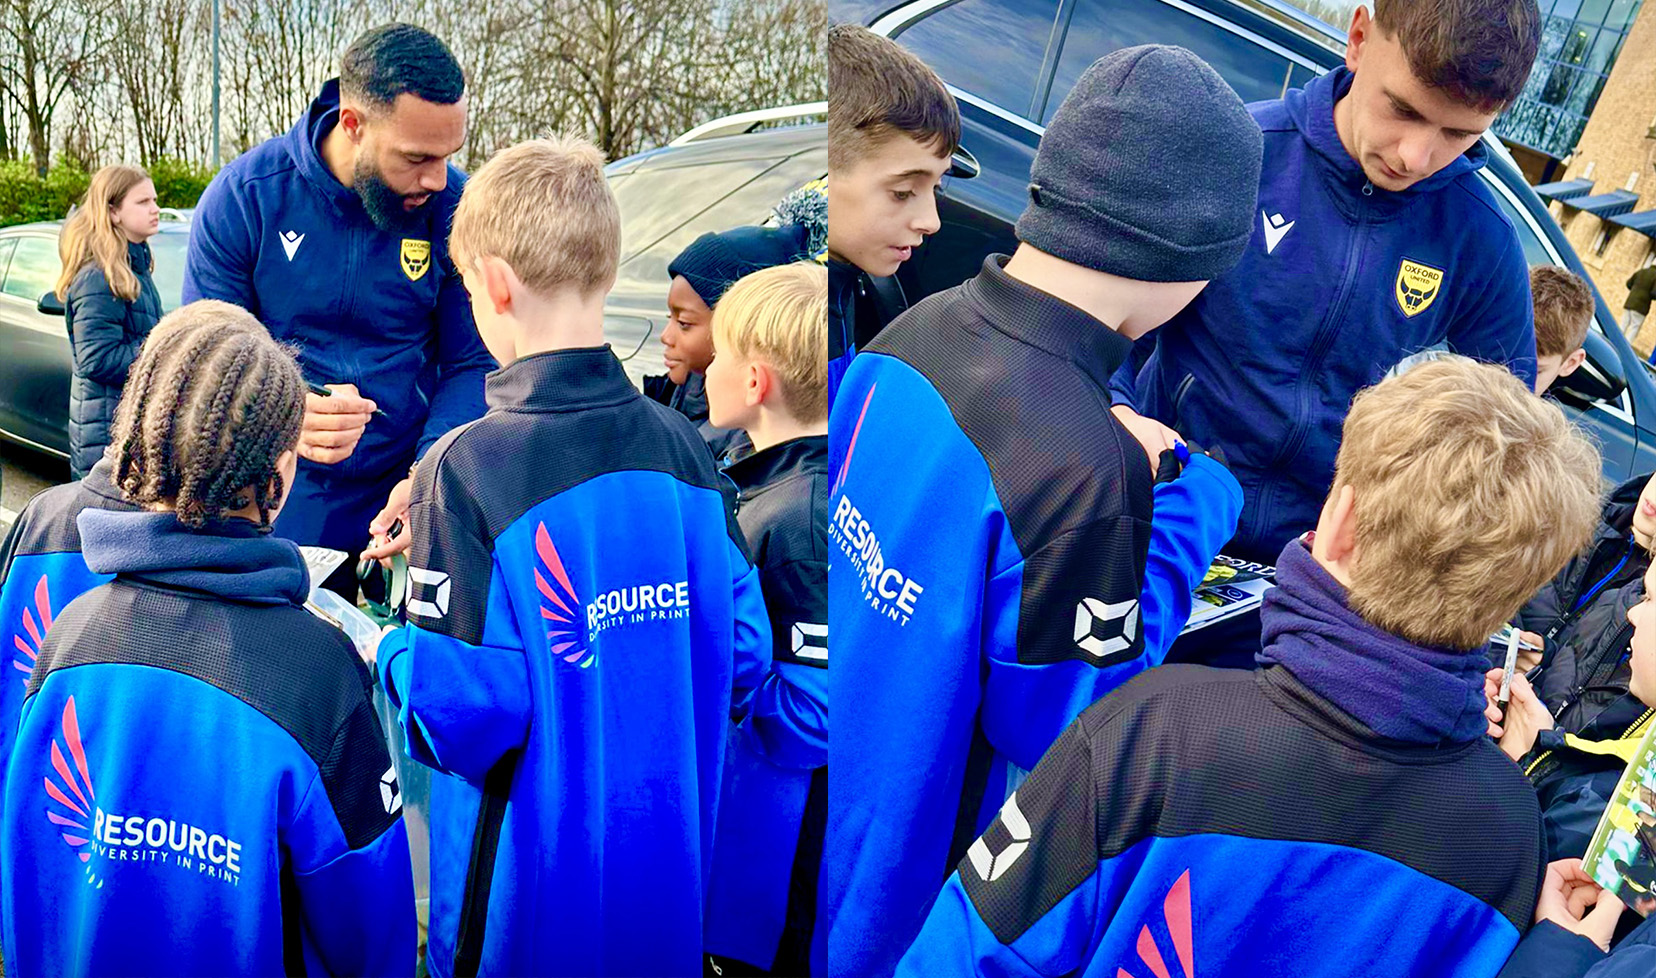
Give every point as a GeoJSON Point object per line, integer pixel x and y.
{"type": "Point", "coordinates": [25, 196]}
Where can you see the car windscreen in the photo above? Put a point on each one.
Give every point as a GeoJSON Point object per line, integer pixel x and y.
{"type": "Point", "coordinates": [168, 250]}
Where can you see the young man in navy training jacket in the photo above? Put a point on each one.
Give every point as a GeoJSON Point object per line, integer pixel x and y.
{"type": "Point", "coordinates": [582, 613]}
{"type": "Point", "coordinates": [1376, 239]}
{"type": "Point", "coordinates": [1334, 812]}
{"type": "Point", "coordinates": [335, 236]}
{"type": "Point", "coordinates": [770, 379]}
{"type": "Point", "coordinates": [199, 783]}
{"type": "Point", "coordinates": [997, 566]}
{"type": "Point", "coordinates": [892, 131]}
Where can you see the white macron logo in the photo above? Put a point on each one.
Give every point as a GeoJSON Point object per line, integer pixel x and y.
{"type": "Point", "coordinates": [1106, 629]}
{"type": "Point", "coordinates": [291, 241]}
{"type": "Point", "coordinates": [1275, 230]}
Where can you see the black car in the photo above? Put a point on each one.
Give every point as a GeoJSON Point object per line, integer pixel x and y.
{"type": "Point", "coordinates": [1009, 64]}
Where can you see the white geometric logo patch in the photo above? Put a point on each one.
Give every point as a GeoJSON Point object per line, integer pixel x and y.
{"type": "Point", "coordinates": [390, 794]}
{"type": "Point", "coordinates": [291, 241]}
{"type": "Point", "coordinates": [810, 641]}
{"type": "Point", "coordinates": [1105, 629]}
{"type": "Point", "coordinates": [438, 606]}
{"type": "Point", "coordinates": [992, 866]}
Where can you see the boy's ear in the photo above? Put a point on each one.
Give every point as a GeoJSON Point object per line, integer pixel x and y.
{"type": "Point", "coordinates": [761, 381]}
{"type": "Point", "coordinates": [1572, 361]}
{"type": "Point", "coordinates": [1335, 543]}
{"type": "Point", "coordinates": [498, 282]}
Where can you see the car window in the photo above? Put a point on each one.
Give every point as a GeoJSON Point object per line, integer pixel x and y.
{"type": "Point", "coordinates": [989, 48]}
{"type": "Point", "coordinates": [34, 268]}
{"type": "Point", "coordinates": [1099, 27]}
{"type": "Point", "coordinates": [6, 245]}
{"type": "Point", "coordinates": [168, 251]}
{"type": "Point", "coordinates": [1536, 251]}
{"type": "Point", "coordinates": [656, 200]}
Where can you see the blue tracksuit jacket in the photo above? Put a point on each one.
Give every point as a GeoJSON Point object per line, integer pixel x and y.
{"type": "Point", "coordinates": [41, 571]}
{"type": "Point", "coordinates": [768, 852]}
{"type": "Point", "coordinates": [1341, 282]}
{"type": "Point", "coordinates": [278, 235]}
{"type": "Point", "coordinates": [993, 524]}
{"type": "Point", "coordinates": [582, 610]}
{"type": "Point", "coordinates": [199, 783]}
{"type": "Point", "coordinates": [1308, 818]}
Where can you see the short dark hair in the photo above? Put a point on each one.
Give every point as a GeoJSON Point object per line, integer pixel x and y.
{"type": "Point", "coordinates": [397, 59]}
{"type": "Point", "coordinates": [877, 90]}
{"type": "Point", "coordinates": [210, 406]}
{"type": "Point", "coordinates": [1478, 51]}
{"type": "Point", "coordinates": [1563, 310]}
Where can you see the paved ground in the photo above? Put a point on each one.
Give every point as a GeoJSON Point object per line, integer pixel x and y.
{"type": "Point", "coordinates": [22, 474]}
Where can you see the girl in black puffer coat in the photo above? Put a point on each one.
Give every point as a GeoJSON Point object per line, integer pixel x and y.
{"type": "Point", "coordinates": [110, 301]}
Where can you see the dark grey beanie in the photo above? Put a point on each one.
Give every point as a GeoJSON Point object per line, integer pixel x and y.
{"type": "Point", "coordinates": [1149, 170]}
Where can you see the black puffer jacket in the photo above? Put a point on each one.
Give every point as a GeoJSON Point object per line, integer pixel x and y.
{"type": "Point", "coordinates": [1612, 560]}
{"type": "Point", "coordinates": [105, 333]}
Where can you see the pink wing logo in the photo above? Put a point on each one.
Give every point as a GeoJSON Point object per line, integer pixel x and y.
{"type": "Point", "coordinates": [1176, 914]}
{"type": "Point", "coordinates": [28, 650]}
{"type": "Point", "coordinates": [74, 806]}
{"type": "Point", "coordinates": [559, 607]}
{"type": "Point", "coordinates": [850, 449]}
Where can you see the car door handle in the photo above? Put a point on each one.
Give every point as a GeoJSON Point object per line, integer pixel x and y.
{"type": "Point", "coordinates": [963, 164]}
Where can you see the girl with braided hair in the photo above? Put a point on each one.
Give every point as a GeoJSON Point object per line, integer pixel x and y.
{"type": "Point", "coordinates": [204, 786]}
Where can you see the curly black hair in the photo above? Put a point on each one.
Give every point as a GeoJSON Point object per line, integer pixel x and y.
{"type": "Point", "coordinates": [210, 406]}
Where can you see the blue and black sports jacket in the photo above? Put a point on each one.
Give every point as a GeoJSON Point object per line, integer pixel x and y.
{"type": "Point", "coordinates": [582, 610]}
{"type": "Point", "coordinates": [41, 571]}
{"type": "Point", "coordinates": [1224, 823]}
{"type": "Point", "coordinates": [990, 524]}
{"type": "Point", "coordinates": [199, 783]}
{"type": "Point", "coordinates": [768, 853]}
{"type": "Point", "coordinates": [1341, 282]}
{"type": "Point", "coordinates": [277, 234]}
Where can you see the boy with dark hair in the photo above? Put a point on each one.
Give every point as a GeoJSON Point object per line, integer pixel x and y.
{"type": "Point", "coordinates": [1000, 567]}
{"type": "Point", "coordinates": [769, 380]}
{"type": "Point", "coordinates": [568, 663]}
{"type": "Point", "coordinates": [1311, 817]}
{"type": "Point", "coordinates": [1564, 305]}
{"type": "Point", "coordinates": [1376, 239]}
{"type": "Point", "coordinates": [201, 783]}
{"type": "Point", "coordinates": [892, 129]}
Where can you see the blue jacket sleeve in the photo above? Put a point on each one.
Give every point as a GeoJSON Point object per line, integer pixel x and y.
{"type": "Point", "coordinates": [787, 718]}
{"type": "Point", "coordinates": [1027, 899]}
{"type": "Point", "coordinates": [751, 632]}
{"type": "Point", "coordinates": [1550, 951]}
{"type": "Point", "coordinates": [1500, 327]}
{"type": "Point", "coordinates": [457, 675]}
{"type": "Point", "coordinates": [219, 263]}
{"type": "Point", "coordinates": [462, 363]}
{"type": "Point", "coordinates": [1195, 515]}
{"type": "Point", "coordinates": [350, 858]}
{"type": "Point", "coordinates": [101, 348]}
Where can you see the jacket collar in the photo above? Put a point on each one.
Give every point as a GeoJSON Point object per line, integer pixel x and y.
{"type": "Point", "coordinates": [562, 380]}
{"type": "Point", "coordinates": [807, 454]}
{"type": "Point", "coordinates": [1046, 322]}
{"type": "Point", "coordinates": [305, 146]}
{"type": "Point", "coordinates": [1312, 110]}
{"type": "Point", "coordinates": [139, 256]}
{"type": "Point", "coordinates": [230, 559]}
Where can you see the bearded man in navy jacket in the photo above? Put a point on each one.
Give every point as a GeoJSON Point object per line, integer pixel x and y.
{"type": "Point", "coordinates": [1375, 239]}
{"type": "Point", "coordinates": [336, 236]}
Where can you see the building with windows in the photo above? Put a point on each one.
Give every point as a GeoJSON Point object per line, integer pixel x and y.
{"type": "Point", "coordinates": [1581, 41]}
{"type": "Point", "coordinates": [1606, 199]}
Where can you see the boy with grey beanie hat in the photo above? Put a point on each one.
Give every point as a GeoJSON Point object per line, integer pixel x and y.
{"type": "Point", "coordinates": [996, 566]}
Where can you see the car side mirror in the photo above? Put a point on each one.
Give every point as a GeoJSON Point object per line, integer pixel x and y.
{"type": "Point", "coordinates": [1599, 379]}
{"type": "Point", "coordinates": [50, 304]}
{"type": "Point", "coordinates": [963, 164]}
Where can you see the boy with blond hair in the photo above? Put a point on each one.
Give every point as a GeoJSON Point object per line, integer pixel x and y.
{"type": "Point", "coordinates": [1312, 816]}
{"type": "Point", "coordinates": [1563, 311]}
{"type": "Point", "coordinates": [769, 377]}
{"type": "Point", "coordinates": [581, 606]}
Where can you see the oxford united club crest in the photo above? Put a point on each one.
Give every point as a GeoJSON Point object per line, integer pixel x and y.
{"type": "Point", "coordinates": [416, 258]}
{"type": "Point", "coordinates": [1417, 286]}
